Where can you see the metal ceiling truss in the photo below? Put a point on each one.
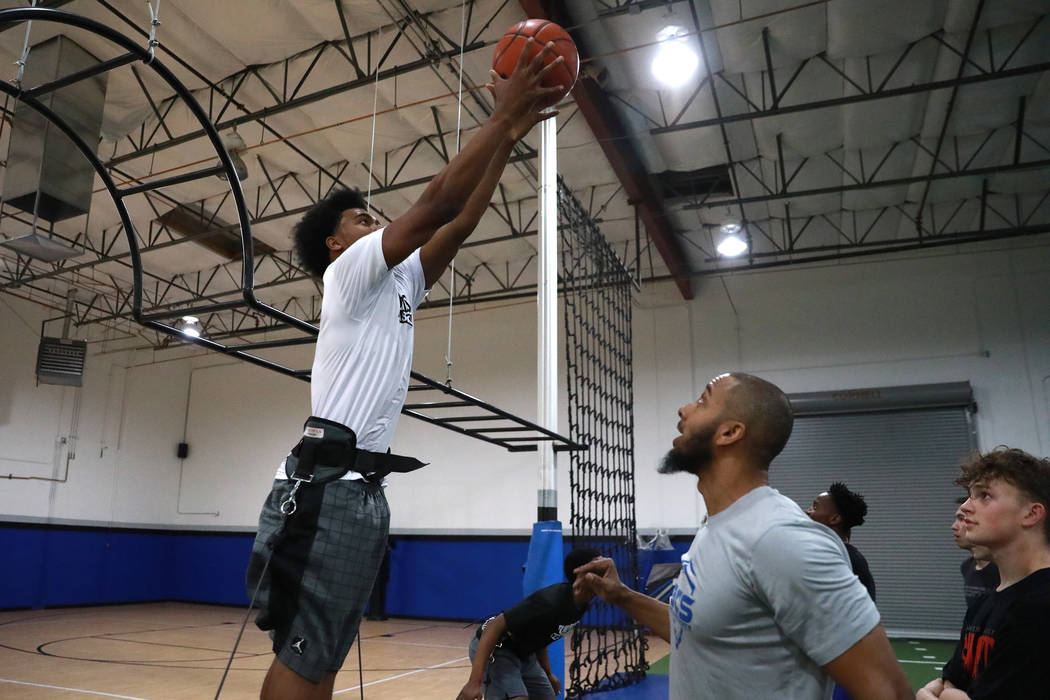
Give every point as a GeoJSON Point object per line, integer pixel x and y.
{"type": "Point", "coordinates": [175, 292]}
{"type": "Point", "coordinates": [281, 194]}
{"type": "Point", "coordinates": [868, 87]}
{"type": "Point", "coordinates": [461, 413]}
{"type": "Point", "coordinates": [366, 66]}
{"type": "Point", "coordinates": [781, 237]}
{"type": "Point", "coordinates": [434, 47]}
{"type": "Point", "coordinates": [998, 217]}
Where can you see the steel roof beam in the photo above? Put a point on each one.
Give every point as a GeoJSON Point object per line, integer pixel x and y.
{"type": "Point", "coordinates": [854, 99]}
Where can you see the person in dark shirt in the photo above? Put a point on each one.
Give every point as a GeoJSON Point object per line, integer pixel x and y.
{"type": "Point", "coordinates": [509, 651]}
{"type": "Point", "coordinates": [842, 510]}
{"type": "Point", "coordinates": [1002, 645]}
{"type": "Point", "coordinates": [980, 574]}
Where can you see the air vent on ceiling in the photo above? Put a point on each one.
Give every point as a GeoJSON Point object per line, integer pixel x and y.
{"type": "Point", "coordinates": [46, 173]}
{"type": "Point", "coordinates": [713, 181]}
{"type": "Point", "coordinates": [33, 245]}
{"type": "Point", "coordinates": [60, 361]}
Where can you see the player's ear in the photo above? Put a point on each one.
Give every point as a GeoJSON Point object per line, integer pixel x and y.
{"type": "Point", "coordinates": [730, 432]}
{"type": "Point", "coordinates": [1034, 514]}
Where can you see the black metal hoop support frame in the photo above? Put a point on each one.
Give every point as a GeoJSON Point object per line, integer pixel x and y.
{"type": "Point", "coordinates": [489, 424]}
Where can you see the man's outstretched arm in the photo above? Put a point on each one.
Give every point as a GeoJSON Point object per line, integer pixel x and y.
{"type": "Point", "coordinates": [437, 253]}
{"type": "Point", "coordinates": [601, 577]}
{"type": "Point", "coordinates": [519, 102]}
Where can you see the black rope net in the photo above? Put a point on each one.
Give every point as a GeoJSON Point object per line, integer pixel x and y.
{"type": "Point", "coordinates": [608, 647]}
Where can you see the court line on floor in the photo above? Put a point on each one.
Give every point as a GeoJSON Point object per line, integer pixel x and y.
{"type": "Point", "coordinates": [72, 690]}
{"type": "Point", "coordinates": [930, 663]}
{"type": "Point", "coordinates": [402, 675]}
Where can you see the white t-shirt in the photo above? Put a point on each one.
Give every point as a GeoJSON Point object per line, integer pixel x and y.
{"type": "Point", "coordinates": [364, 349]}
{"type": "Point", "coordinates": [766, 597]}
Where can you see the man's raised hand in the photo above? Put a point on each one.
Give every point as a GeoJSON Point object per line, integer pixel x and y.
{"type": "Point", "coordinates": [601, 578]}
{"type": "Point", "coordinates": [521, 97]}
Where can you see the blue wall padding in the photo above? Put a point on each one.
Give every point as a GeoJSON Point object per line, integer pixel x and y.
{"type": "Point", "coordinates": [545, 568]}
{"type": "Point", "coordinates": [210, 568]}
{"type": "Point", "coordinates": [454, 577]}
{"type": "Point", "coordinates": [463, 579]}
{"type": "Point", "coordinates": [23, 549]}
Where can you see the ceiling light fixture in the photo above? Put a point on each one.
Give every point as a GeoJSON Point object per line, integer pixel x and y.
{"type": "Point", "coordinates": [675, 62]}
{"type": "Point", "coordinates": [190, 326]}
{"type": "Point", "coordinates": [731, 244]}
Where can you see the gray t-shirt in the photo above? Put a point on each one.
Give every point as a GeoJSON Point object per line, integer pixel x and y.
{"type": "Point", "coordinates": [765, 598]}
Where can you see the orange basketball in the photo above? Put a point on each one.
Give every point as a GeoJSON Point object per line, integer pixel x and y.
{"type": "Point", "coordinates": [512, 43]}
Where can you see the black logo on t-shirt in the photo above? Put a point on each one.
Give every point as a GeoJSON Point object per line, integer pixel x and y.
{"type": "Point", "coordinates": [405, 315]}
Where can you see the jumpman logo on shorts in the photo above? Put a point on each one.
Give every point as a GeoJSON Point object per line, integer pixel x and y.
{"type": "Point", "coordinates": [298, 644]}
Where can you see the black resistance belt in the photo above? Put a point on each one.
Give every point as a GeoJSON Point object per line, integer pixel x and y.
{"type": "Point", "coordinates": [328, 450]}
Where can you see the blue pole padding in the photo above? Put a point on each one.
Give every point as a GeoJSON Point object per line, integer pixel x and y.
{"type": "Point", "coordinates": [544, 568]}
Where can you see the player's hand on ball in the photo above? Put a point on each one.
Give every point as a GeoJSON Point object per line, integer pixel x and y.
{"type": "Point", "coordinates": [521, 97]}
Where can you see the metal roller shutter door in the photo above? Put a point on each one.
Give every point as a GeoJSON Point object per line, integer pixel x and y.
{"type": "Point", "coordinates": [904, 462]}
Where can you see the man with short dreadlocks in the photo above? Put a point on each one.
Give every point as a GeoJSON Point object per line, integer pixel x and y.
{"type": "Point", "coordinates": [842, 510]}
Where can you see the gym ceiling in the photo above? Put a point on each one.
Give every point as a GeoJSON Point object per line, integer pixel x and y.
{"type": "Point", "coordinates": [825, 129]}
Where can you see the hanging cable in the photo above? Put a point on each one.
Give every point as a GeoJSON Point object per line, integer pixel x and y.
{"type": "Point", "coordinates": [21, 62]}
{"type": "Point", "coordinates": [154, 22]}
{"type": "Point", "coordinates": [372, 148]}
{"type": "Point", "coordinates": [459, 122]}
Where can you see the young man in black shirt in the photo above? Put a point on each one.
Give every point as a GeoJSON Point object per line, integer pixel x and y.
{"type": "Point", "coordinates": [509, 651]}
{"type": "Point", "coordinates": [842, 510]}
{"type": "Point", "coordinates": [1005, 634]}
{"type": "Point", "coordinates": [979, 574]}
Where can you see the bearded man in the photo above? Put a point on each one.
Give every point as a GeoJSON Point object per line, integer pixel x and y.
{"type": "Point", "coordinates": [766, 605]}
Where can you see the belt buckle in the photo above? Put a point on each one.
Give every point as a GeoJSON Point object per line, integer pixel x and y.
{"type": "Point", "coordinates": [288, 505]}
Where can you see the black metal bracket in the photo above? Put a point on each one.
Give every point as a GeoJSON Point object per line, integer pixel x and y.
{"type": "Point", "coordinates": [461, 413]}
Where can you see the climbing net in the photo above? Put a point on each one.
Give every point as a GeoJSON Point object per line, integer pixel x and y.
{"type": "Point", "coordinates": [608, 647]}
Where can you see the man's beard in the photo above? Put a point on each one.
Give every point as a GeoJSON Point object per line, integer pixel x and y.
{"type": "Point", "coordinates": [696, 461]}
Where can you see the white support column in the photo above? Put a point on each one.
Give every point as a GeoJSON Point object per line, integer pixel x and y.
{"type": "Point", "coordinates": [547, 315]}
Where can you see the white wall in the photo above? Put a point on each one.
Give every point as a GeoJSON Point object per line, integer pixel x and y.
{"type": "Point", "coordinates": [949, 316]}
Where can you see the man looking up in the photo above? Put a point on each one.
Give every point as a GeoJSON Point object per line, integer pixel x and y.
{"type": "Point", "coordinates": [1002, 646]}
{"type": "Point", "coordinates": [979, 574]}
{"type": "Point", "coordinates": [842, 510]}
{"type": "Point", "coordinates": [766, 605]}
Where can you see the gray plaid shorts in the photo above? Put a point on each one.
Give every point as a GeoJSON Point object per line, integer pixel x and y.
{"type": "Point", "coordinates": [321, 572]}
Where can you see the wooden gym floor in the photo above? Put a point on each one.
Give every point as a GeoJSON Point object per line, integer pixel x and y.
{"type": "Point", "coordinates": [176, 651]}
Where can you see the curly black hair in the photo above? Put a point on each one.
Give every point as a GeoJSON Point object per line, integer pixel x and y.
{"type": "Point", "coordinates": [577, 558]}
{"type": "Point", "coordinates": [850, 505]}
{"type": "Point", "coordinates": [320, 222]}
